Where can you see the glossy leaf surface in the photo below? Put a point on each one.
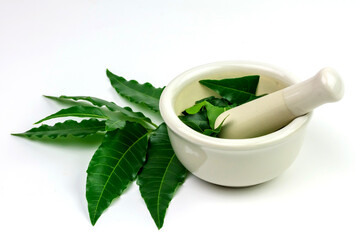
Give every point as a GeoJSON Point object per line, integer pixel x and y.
{"type": "Point", "coordinates": [198, 121]}
{"type": "Point", "coordinates": [121, 115]}
{"type": "Point", "coordinates": [93, 100]}
{"type": "Point", "coordinates": [77, 111]}
{"type": "Point", "coordinates": [67, 128]}
{"type": "Point", "coordinates": [235, 90]}
{"type": "Point", "coordinates": [144, 94]}
{"type": "Point", "coordinates": [114, 165]}
{"type": "Point", "coordinates": [161, 175]}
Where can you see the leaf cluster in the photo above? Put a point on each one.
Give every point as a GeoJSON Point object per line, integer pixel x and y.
{"type": "Point", "coordinates": [201, 117]}
{"type": "Point", "coordinates": [133, 147]}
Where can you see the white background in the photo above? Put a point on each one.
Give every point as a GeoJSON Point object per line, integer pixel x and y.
{"type": "Point", "coordinates": [64, 47]}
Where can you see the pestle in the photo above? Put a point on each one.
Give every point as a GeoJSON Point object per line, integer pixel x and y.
{"type": "Point", "coordinates": [275, 110]}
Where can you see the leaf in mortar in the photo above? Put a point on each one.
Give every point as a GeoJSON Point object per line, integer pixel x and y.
{"type": "Point", "coordinates": [145, 94]}
{"type": "Point", "coordinates": [114, 165]}
{"type": "Point", "coordinates": [213, 112]}
{"type": "Point", "coordinates": [196, 108]}
{"type": "Point", "coordinates": [198, 121]}
{"type": "Point", "coordinates": [77, 111]}
{"type": "Point", "coordinates": [235, 90]}
{"type": "Point", "coordinates": [161, 175]}
{"type": "Point", "coordinates": [219, 102]}
{"type": "Point", "coordinates": [69, 127]}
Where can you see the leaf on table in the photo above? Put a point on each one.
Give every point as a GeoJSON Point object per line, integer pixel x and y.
{"type": "Point", "coordinates": [93, 100]}
{"type": "Point", "coordinates": [114, 165]}
{"type": "Point", "coordinates": [77, 111]}
{"type": "Point", "coordinates": [144, 94]}
{"type": "Point", "coordinates": [161, 175]}
{"type": "Point", "coordinates": [119, 119]}
{"type": "Point", "coordinates": [122, 114]}
{"type": "Point", "coordinates": [69, 127]}
{"type": "Point", "coordinates": [235, 90]}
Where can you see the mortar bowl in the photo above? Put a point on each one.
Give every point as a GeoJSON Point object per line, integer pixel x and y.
{"type": "Point", "coordinates": [230, 162]}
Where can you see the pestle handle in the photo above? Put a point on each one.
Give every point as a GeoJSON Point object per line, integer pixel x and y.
{"type": "Point", "coordinates": [326, 86]}
{"type": "Point", "coordinates": [273, 111]}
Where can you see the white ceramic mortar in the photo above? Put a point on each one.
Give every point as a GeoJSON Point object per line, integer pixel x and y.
{"type": "Point", "coordinates": [230, 162]}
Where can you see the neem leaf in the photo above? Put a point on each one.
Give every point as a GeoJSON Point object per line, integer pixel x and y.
{"type": "Point", "coordinates": [161, 175]}
{"type": "Point", "coordinates": [77, 111]}
{"type": "Point", "coordinates": [196, 108]}
{"type": "Point", "coordinates": [235, 90]}
{"type": "Point", "coordinates": [219, 102]}
{"type": "Point", "coordinates": [213, 112]}
{"type": "Point", "coordinates": [121, 114]}
{"type": "Point", "coordinates": [198, 121]}
{"type": "Point", "coordinates": [119, 119]}
{"type": "Point", "coordinates": [113, 166]}
{"type": "Point", "coordinates": [144, 94]}
{"type": "Point", "coordinates": [95, 101]}
{"type": "Point", "coordinates": [69, 127]}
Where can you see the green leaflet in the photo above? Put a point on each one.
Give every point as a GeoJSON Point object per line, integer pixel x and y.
{"type": "Point", "coordinates": [114, 165]}
{"type": "Point", "coordinates": [77, 111]}
{"type": "Point", "coordinates": [119, 119]}
{"type": "Point", "coordinates": [67, 128]}
{"type": "Point", "coordinates": [219, 102]}
{"type": "Point", "coordinates": [235, 90]}
{"type": "Point", "coordinates": [95, 101]}
{"type": "Point", "coordinates": [144, 94]}
{"type": "Point", "coordinates": [212, 112]}
{"type": "Point", "coordinates": [198, 121]}
{"type": "Point", "coordinates": [121, 115]}
{"type": "Point", "coordinates": [161, 175]}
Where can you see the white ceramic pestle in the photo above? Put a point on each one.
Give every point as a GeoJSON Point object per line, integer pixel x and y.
{"type": "Point", "coordinates": [273, 111]}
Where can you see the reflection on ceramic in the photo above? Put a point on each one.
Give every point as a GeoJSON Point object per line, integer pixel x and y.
{"type": "Point", "coordinates": [230, 162]}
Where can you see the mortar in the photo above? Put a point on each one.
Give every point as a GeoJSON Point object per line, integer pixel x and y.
{"type": "Point", "coordinates": [230, 162]}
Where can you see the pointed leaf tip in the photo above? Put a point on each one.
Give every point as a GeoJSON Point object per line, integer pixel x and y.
{"type": "Point", "coordinates": [113, 166]}
{"type": "Point", "coordinates": [161, 175]}
{"type": "Point", "coordinates": [145, 94]}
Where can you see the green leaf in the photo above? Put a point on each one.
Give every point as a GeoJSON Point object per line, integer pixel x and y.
{"type": "Point", "coordinates": [119, 119]}
{"type": "Point", "coordinates": [114, 165]}
{"type": "Point", "coordinates": [213, 112]}
{"type": "Point", "coordinates": [95, 101]}
{"type": "Point", "coordinates": [77, 111]}
{"type": "Point", "coordinates": [196, 108]}
{"type": "Point", "coordinates": [161, 175]}
{"type": "Point", "coordinates": [219, 102]}
{"type": "Point", "coordinates": [144, 94]}
{"type": "Point", "coordinates": [121, 114]}
{"type": "Point", "coordinates": [198, 121]}
{"type": "Point", "coordinates": [235, 90]}
{"type": "Point", "coordinates": [214, 132]}
{"type": "Point", "coordinates": [69, 127]}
